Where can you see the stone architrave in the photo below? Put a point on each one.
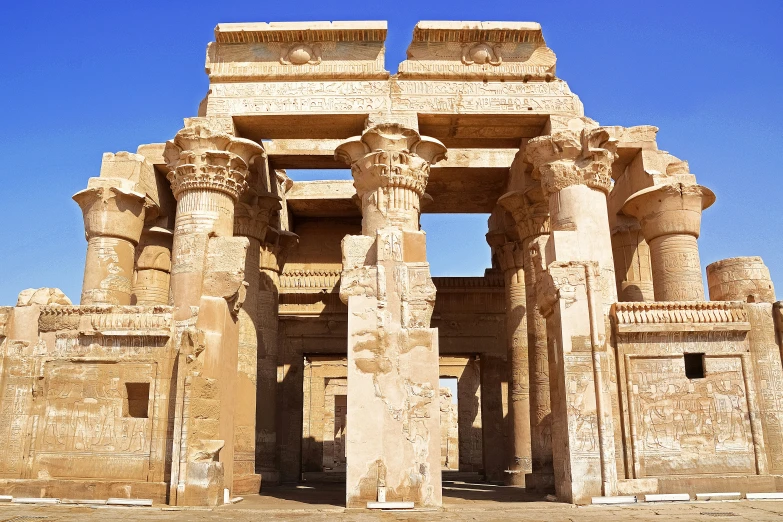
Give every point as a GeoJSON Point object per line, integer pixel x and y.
{"type": "Point", "coordinates": [575, 287]}
{"type": "Point", "coordinates": [670, 217]}
{"type": "Point", "coordinates": [530, 211]}
{"type": "Point", "coordinates": [393, 445]}
{"type": "Point", "coordinates": [274, 250]}
{"type": "Point", "coordinates": [113, 220]}
{"type": "Point", "coordinates": [251, 220]}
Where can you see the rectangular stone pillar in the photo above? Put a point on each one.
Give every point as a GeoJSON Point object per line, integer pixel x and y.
{"type": "Point", "coordinates": [579, 369]}
{"type": "Point", "coordinates": [494, 374]}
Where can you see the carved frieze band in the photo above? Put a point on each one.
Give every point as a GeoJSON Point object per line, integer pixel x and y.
{"type": "Point", "coordinates": [124, 320]}
{"type": "Point", "coordinates": [680, 316]}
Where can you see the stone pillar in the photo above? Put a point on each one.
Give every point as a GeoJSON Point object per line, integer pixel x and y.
{"type": "Point", "coordinates": [531, 217]}
{"type": "Point", "coordinates": [151, 282]}
{"type": "Point", "coordinates": [670, 217]}
{"type": "Point", "coordinates": [251, 220]}
{"type": "Point", "coordinates": [274, 250]}
{"type": "Point", "coordinates": [393, 444]}
{"type": "Point", "coordinates": [575, 285]}
{"type": "Point", "coordinates": [740, 279]}
{"type": "Point", "coordinates": [113, 221]}
{"type": "Point", "coordinates": [510, 256]}
{"type": "Point", "coordinates": [631, 261]}
{"type": "Point", "coordinates": [494, 434]}
{"type": "Point", "coordinates": [208, 170]}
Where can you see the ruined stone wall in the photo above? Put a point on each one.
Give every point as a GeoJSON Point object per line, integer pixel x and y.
{"type": "Point", "coordinates": [92, 385]}
{"type": "Point", "coordinates": [689, 390]}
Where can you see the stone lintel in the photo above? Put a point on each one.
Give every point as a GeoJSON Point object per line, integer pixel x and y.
{"type": "Point", "coordinates": [297, 51]}
{"type": "Point", "coordinates": [319, 154]}
{"type": "Point", "coordinates": [497, 50]}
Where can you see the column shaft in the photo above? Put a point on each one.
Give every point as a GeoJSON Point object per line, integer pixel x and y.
{"type": "Point", "coordinates": [676, 268]}
{"type": "Point", "coordinates": [199, 214]}
{"type": "Point", "coordinates": [108, 271]}
{"type": "Point", "coordinates": [151, 282]}
{"type": "Point", "coordinates": [266, 407]}
{"type": "Point", "coordinates": [519, 385]}
{"type": "Point", "coordinates": [538, 357]}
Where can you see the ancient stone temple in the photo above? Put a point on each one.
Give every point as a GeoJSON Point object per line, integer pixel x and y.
{"type": "Point", "coordinates": [238, 329]}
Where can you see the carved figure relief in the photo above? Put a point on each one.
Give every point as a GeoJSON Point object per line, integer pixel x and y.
{"type": "Point", "coordinates": [690, 426]}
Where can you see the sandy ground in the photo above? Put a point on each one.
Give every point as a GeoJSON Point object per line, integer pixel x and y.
{"type": "Point", "coordinates": [462, 501]}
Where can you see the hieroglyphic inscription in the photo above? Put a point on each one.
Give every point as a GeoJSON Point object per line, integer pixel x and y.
{"type": "Point", "coordinates": [484, 97]}
{"type": "Point", "coordinates": [402, 95]}
{"type": "Point", "coordinates": [15, 401]}
{"type": "Point", "coordinates": [112, 347]}
{"type": "Point", "coordinates": [690, 426]}
{"type": "Point", "coordinates": [656, 343]}
{"type": "Point", "coordinates": [87, 416]}
{"type": "Point", "coordinates": [285, 97]}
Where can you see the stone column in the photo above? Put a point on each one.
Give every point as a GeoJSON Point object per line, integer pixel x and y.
{"type": "Point", "coordinates": [531, 217]}
{"type": "Point", "coordinates": [510, 256]}
{"type": "Point", "coordinates": [631, 261]}
{"type": "Point", "coordinates": [574, 172]}
{"type": "Point", "coordinates": [151, 282]}
{"type": "Point", "coordinates": [274, 250]}
{"type": "Point", "coordinates": [576, 286]}
{"type": "Point", "coordinates": [670, 217]}
{"type": "Point", "coordinates": [113, 221]}
{"type": "Point", "coordinates": [393, 443]}
{"type": "Point", "coordinates": [251, 220]}
{"type": "Point", "coordinates": [208, 170]}
{"type": "Point", "coordinates": [740, 279]}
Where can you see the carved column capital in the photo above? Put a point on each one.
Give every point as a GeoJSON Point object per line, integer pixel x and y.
{"type": "Point", "coordinates": [252, 219]}
{"type": "Point", "coordinates": [390, 164]}
{"type": "Point", "coordinates": [670, 208]}
{"type": "Point", "coordinates": [275, 249]}
{"type": "Point", "coordinates": [567, 158]}
{"type": "Point", "coordinates": [510, 256]}
{"type": "Point", "coordinates": [201, 157]}
{"type": "Point", "coordinates": [531, 214]}
{"type": "Point", "coordinates": [112, 209]}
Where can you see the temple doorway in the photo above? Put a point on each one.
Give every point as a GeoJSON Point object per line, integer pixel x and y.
{"type": "Point", "coordinates": [325, 422]}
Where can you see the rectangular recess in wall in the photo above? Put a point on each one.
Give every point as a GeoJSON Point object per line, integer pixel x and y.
{"type": "Point", "coordinates": [138, 400]}
{"type": "Point", "coordinates": [694, 365]}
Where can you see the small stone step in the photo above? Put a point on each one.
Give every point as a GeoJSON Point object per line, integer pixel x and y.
{"type": "Point", "coordinates": [668, 497]}
{"type": "Point", "coordinates": [390, 505]}
{"type": "Point", "coordinates": [615, 500]}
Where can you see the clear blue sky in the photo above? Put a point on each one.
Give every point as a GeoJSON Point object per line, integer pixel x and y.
{"type": "Point", "coordinates": [82, 78]}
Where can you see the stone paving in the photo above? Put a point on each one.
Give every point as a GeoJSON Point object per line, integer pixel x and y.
{"type": "Point", "coordinates": [462, 501]}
